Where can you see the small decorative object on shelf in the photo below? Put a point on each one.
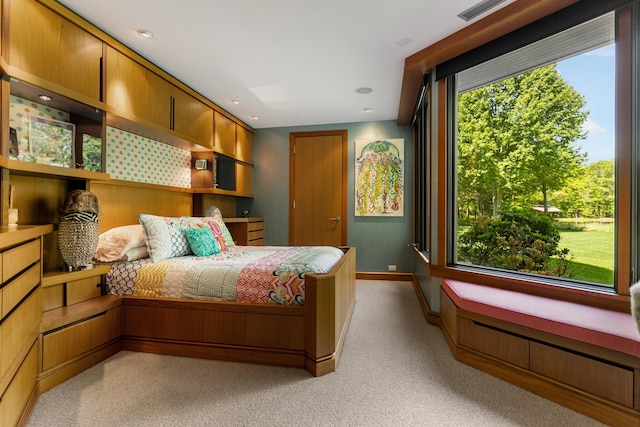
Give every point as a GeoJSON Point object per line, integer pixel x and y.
{"type": "Point", "coordinates": [78, 231]}
{"type": "Point", "coordinates": [12, 213]}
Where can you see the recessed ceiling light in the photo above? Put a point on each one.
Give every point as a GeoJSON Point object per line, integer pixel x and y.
{"type": "Point", "coordinates": [255, 117]}
{"type": "Point", "coordinates": [45, 97]}
{"type": "Point", "coordinates": [367, 110]}
{"type": "Point", "coordinates": [145, 33]}
{"type": "Point", "coordinates": [235, 101]}
{"type": "Point", "coordinates": [364, 90]}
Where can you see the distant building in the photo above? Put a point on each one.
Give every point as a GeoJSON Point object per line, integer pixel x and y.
{"type": "Point", "coordinates": [550, 209]}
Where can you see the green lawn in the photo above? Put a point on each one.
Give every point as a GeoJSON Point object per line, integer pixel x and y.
{"type": "Point", "coordinates": [592, 251]}
{"type": "Point", "coordinates": [592, 254]}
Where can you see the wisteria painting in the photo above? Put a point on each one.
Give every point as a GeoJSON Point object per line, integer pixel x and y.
{"type": "Point", "coordinates": [379, 173]}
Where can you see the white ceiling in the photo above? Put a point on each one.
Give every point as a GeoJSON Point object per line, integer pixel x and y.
{"type": "Point", "coordinates": [288, 62]}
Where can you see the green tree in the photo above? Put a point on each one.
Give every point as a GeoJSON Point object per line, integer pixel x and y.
{"type": "Point", "coordinates": [515, 138]}
{"type": "Point", "coordinates": [601, 188]}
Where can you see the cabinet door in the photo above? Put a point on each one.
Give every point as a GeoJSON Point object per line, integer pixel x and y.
{"type": "Point", "coordinates": [135, 90]}
{"type": "Point", "coordinates": [48, 46]}
{"type": "Point", "coordinates": [244, 144]}
{"type": "Point", "coordinates": [225, 135]}
{"type": "Point", "coordinates": [244, 179]}
{"type": "Point", "coordinates": [192, 118]}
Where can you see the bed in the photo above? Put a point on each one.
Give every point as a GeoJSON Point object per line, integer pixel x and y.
{"type": "Point", "coordinates": [287, 323]}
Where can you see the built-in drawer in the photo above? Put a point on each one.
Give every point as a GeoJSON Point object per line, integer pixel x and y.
{"type": "Point", "coordinates": [253, 226]}
{"type": "Point", "coordinates": [255, 235]}
{"type": "Point", "coordinates": [83, 289]}
{"type": "Point", "coordinates": [17, 259]}
{"type": "Point", "coordinates": [19, 328]}
{"type": "Point", "coordinates": [600, 378]}
{"type": "Point", "coordinates": [493, 342]}
{"type": "Point", "coordinates": [62, 345]}
{"type": "Point", "coordinates": [16, 396]}
{"type": "Point", "coordinates": [53, 297]}
{"type": "Point", "coordinates": [14, 291]}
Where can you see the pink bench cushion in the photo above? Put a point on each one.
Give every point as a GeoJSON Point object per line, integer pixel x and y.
{"type": "Point", "coordinates": [597, 326]}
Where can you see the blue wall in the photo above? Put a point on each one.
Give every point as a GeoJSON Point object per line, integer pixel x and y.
{"type": "Point", "coordinates": [379, 241]}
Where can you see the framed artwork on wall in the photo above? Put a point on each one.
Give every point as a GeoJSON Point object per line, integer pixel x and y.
{"type": "Point", "coordinates": [379, 177]}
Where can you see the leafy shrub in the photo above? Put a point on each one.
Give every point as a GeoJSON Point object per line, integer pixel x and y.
{"type": "Point", "coordinates": [520, 240]}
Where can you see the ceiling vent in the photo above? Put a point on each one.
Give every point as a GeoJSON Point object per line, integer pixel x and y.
{"type": "Point", "coordinates": [478, 9]}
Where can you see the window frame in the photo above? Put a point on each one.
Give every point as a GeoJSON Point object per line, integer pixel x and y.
{"type": "Point", "coordinates": [628, 183]}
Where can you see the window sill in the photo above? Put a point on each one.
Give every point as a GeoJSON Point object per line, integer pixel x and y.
{"type": "Point", "coordinates": [603, 299]}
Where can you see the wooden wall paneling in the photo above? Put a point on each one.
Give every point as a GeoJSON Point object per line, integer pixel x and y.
{"type": "Point", "coordinates": [226, 204]}
{"type": "Point", "coordinates": [44, 44]}
{"type": "Point", "coordinates": [38, 200]}
{"type": "Point", "coordinates": [122, 203]}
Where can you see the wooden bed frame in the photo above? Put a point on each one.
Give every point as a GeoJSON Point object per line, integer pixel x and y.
{"type": "Point", "coordinates": [309, 337]}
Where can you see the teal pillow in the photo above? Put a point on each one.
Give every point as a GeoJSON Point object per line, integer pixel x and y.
{"type": "Point", "coordinates": [201, 241]}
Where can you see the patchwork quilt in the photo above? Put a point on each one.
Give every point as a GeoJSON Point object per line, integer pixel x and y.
{"type": "Point", "coordinates": [253, 274]}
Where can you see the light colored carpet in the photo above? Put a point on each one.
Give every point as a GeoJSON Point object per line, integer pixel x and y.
{"type": "Point", "coordinates": [396, 370]}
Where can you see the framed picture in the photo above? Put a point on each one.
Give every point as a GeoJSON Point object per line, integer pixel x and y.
{"type": "Point", "coordinates": [379, 177]}
{"type": "Point", "coordinates": [50, 142]}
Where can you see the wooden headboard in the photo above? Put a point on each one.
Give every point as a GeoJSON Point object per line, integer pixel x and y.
{"type": "Point", "coordinates": [122, 202]}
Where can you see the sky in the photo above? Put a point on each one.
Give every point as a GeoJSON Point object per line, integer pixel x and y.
{"type": "Point", "coordinates": [592, 74]}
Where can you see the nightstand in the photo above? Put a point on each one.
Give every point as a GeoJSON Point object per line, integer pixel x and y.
{"type": "Point", "coordinates": [246, 231]}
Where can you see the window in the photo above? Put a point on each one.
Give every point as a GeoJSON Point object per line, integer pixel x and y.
{"type": "Point", "coordinates": [421, 165]}
{"type": "Point", "coordinates": [539, 157]}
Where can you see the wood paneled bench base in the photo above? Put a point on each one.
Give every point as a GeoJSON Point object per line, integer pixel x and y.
{"type": "Point", "coordinates": [590, 364]}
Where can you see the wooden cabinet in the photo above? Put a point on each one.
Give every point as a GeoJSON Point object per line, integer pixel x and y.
{"type": "Point", "coordinates": [224, 135]}
{"type": "Point", "coordinates": [45, 45]}
{"type": "Point", "coordinates": [136, 91]}
{"type": "Point", "coordinates": [597, 381]}
{"type": "Point", "coordinates": [192, 118]}
{"type": "Point", "coordinates": [60, 288]}
{"type": "Point", "coordinates": [244, 179]}
{"type": "Point", "coordinates": [77, 336]}
{"type": "Point", "coordinates": [244, 144]}
{"type": "Point", "coordinates": [246, 231]}
{"type": "Point", "coordinates": [20, 315]}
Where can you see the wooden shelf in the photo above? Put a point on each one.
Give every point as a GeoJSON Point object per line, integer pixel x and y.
{"type": "Point", "coordinates": [28, 168]}
{"type": "Point", "coordinates": [52, 278]}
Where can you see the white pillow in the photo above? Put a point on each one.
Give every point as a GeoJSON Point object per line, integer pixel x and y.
{"type": "Point", "coordinates": [136, 253]}
{"type": "Point", "coordinates": [164, 236]}
{"type": "Point", "coordinates": [114, 244]}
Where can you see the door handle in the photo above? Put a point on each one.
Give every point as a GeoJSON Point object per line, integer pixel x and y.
{"type": "Point", "coordinates": [336, 219]}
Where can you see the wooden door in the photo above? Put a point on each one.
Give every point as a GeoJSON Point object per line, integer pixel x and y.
{"type": "Point", "coordinates": [318, 187]}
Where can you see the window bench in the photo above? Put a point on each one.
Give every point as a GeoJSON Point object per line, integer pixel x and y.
{"type": "Point", "coordinates": [585, 358]}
